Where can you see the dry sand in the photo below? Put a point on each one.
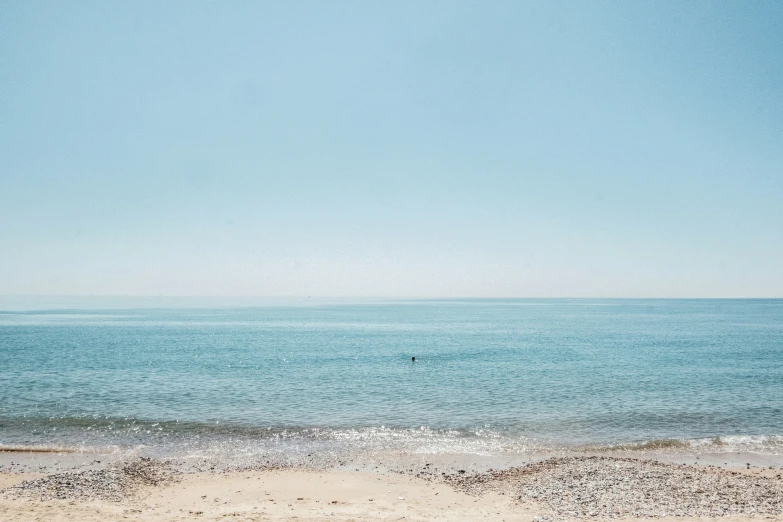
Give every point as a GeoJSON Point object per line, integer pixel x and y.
{"type": "Point", "coordinates": [287, 495]}
{"type": "Point", "coordinates": [276, 495]}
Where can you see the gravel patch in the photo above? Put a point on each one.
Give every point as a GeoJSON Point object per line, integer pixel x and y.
{"type": "Point", "coordinates": [112, 484]}
{"type": "Point", "coordinates": [605, 487]}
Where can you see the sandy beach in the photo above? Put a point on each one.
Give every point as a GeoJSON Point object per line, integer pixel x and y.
{"type": "Point", "coordinates": [146, 491]}
{"type": "Point", "coordinates": [277, 495]}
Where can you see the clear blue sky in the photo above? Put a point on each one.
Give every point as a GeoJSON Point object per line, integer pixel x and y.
{"type": "Point", "coordinates": [391, 148]}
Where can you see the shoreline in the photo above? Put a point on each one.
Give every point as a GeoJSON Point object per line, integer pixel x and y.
{"type": "Point", "coordinates": [54, 459]}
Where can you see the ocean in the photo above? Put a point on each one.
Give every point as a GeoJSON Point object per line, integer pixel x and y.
{"type": "Point", "coordinates": [246, 378]}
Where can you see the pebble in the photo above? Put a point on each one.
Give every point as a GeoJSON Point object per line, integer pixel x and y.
{"type": "Point", "coordinates": [606, 487]}
{"type": "Point", "coordinates": [112, 484]}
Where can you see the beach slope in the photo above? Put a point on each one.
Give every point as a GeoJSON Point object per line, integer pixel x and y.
{"type": "Point", "coordinates": [599, 488]}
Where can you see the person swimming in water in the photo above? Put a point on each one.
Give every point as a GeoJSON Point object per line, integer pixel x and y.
{"type": "Point", "coordinates": [413, 359]}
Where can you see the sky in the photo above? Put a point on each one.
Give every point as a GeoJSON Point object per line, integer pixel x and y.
{"type": "Point", "coordinates": [391, 149]}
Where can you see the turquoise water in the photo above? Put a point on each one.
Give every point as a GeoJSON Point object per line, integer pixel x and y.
{"type": "Point", "coordinates": [514, 375]}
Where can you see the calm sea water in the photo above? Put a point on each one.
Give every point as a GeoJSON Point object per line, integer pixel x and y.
{"type": "Point", "coordinates": [510, 375]}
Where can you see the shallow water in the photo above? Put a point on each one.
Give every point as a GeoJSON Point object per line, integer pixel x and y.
{"type": "Point", "coordinates": [202, 377]}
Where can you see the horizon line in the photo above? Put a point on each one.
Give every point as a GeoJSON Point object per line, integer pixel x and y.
{"type": "Point", "coordinates": [373, 297]}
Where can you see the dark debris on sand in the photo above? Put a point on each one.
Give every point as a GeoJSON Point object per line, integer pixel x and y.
{"type": "Point", "coordinates": [112, 484]}
{"type": "Point", "coordinates": [605, 487]}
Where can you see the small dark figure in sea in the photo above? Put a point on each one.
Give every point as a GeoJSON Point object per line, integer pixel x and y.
{"type": "Point", "coordinates": [413, 359]}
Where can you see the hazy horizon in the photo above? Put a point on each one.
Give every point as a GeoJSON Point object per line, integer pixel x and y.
{"type": "Point", "coordinates": [370, 150]}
